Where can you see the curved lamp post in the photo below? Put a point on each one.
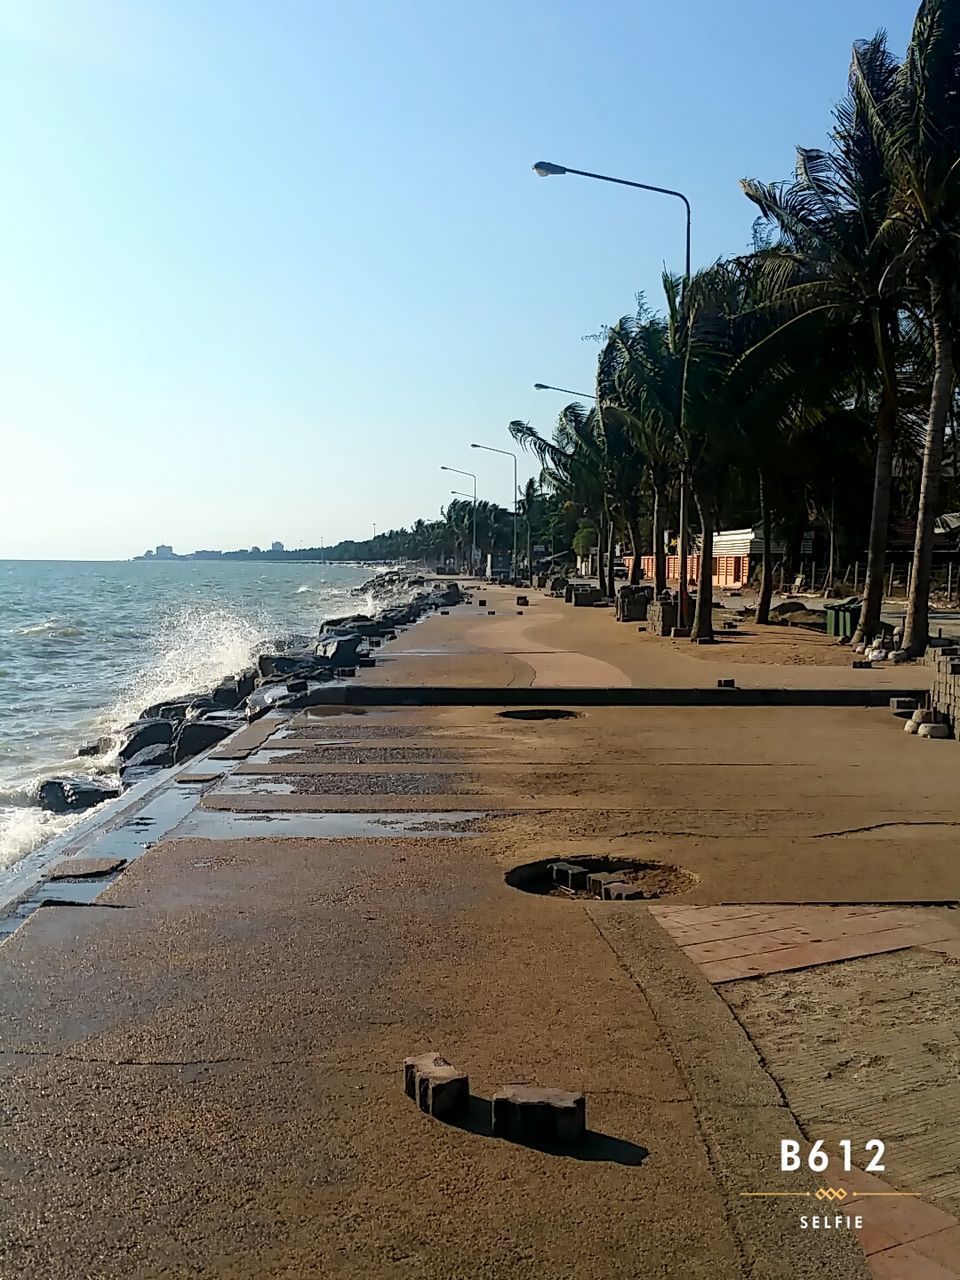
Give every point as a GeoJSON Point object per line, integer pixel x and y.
{"type": "Point", "coordinates": [546, 169]}
{"type": "Point", "coordinates": [507, 453]}
{"type": "Point", "coordinates": [581, 395]}
{"type": "Point", "coordinates": [473, 550]}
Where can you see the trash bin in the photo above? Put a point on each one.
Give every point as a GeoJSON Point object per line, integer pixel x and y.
{"type": "Point", "coordinates": [842, 617]}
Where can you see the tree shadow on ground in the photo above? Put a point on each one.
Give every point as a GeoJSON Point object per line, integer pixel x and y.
{"type": "Point", "coordinates": [597, 1147]}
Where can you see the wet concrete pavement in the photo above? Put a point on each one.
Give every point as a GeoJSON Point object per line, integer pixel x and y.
{"type": "Point", "coordinates": [202, 1067]}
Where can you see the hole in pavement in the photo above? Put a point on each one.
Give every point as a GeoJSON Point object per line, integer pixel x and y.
{"type": "Point", "coordinates": [616, 878]}
{"type": "Point", "coordinates": [539, 713]}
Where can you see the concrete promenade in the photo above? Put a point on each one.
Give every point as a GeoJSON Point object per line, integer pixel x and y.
{"type": "Point", "coordinates": [202, 1033]}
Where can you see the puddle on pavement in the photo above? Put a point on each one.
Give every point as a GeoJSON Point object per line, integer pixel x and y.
{"type": "Point", "coordinates": [222, 824]}
{"type": "Point", "coordinates": [261, 784]}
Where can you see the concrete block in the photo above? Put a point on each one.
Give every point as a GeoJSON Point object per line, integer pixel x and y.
{"type": "Point", "coordinates": [680, 633]}
{"type": "Point", "coordinates": [862, 664]}
{"type": "Point", "coordinates": [436, 1086]}
{"type": "Point", "coordinates": [569, 874]}
{"type": "Point", "coordinates": [523, 601]}
{"type": "Point", "coordinates": [482, 604]}
{"type": "Point", "coordinates": [519, 613]}
{"type": "Point", "coordinates": [345, 673]}
{"type": "Point", "coordinates": [911, 726]}
{"type": "Point", "coordinates": [923, 717]}
{"type": "Point", "coordinates": [933, 731]}
{"type": "Point", "coordinates": [524, 1113]}
{"type": "Point", "coordinates": [726, 684]}
{"type": "Point", "coordinates": [903, 704]}
{"type": "Point", "coordinates": [597, 879]}
{"type": "Point", "coordinates": [375, 642]}
{"type": "Point", "coordinates": [491, 613]}
{"type": "Point", "coordinates": [619, 890]}
{"type": "Point", "coordinates": [364, 661]}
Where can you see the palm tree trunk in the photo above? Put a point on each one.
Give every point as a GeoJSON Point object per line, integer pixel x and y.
{"type": "Point", "coordinates": [766, 569]}
{"type": "Point", "coordinates": [608, 588]}
{"type": "Point", "coordinates": [635, 566]}
{"type": "Point", "coordinates": [916, 628]}
{"type": "Point", "coordinates": [659, 555]}
{"type": "Point", "coordinates": [529, 555]}
{"type": "Point", "coordinates": [601, 538]}
{"type": "Point", "coordinates": [873, 582]}
{"type": "Point", "coordinates": [703, 615]}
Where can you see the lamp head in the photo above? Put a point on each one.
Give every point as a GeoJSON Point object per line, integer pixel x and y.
{"type": "Point", "coordinates": [540, 386]}
{"type": "Point", "coordinates": [544, 169]}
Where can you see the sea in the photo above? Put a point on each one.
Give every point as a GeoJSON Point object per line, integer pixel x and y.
{"type": "Point", "coordinates": [85, 646]}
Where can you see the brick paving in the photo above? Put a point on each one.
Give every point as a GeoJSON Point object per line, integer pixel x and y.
{"type": "Point", "coordinates": [903, 1237]}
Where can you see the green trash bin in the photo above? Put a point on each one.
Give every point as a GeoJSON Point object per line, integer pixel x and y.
{"type": "Point", "coordinates": [842, 617]}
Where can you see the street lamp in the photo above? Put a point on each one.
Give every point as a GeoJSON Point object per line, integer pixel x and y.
{"type": "Point", "coordinates": [545, 169]}
{"type": "Point", "coordinates": [473, 550]}
{"type": "Point", "coordinates": [507, 453]}
{"type": "Point", "coordinates": [581, 395]}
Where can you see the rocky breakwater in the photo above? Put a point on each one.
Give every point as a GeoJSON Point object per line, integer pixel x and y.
{"type": "Point", "coordinates": [295, 676]}
{"type": "Point", "coordinates": [290, 675]}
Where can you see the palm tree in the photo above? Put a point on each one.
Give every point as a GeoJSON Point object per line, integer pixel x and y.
{"type": "Point", "coordinates": [834, 256]}
{"type": "Point", "coordinates": [918, 138]}
{"type": "Point", "coordinates": [528, 506]}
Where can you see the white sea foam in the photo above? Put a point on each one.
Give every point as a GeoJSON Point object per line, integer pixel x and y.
{"type": "Point", "coordinates": [198, 648]}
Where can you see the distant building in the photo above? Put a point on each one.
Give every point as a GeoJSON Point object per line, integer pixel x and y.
{"type": "Point", "coordinates": [276, 546]}
{"type": "Point", "coordinates": [164, 553]}
{"type": "Point", "coordinates": [207, 555]}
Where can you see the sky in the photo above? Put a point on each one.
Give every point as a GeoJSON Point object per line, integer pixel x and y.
{"type": "Point", "coordinates": [265, 267]}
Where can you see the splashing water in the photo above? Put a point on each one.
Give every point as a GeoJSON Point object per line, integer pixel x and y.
{"type": "Point", "coordinates": [88, 646]}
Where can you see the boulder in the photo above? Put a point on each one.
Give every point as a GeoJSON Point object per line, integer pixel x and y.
{"type": "Point", "coordinates": [202, 707]}
{"type": "Point", "coordinates": [279, 697]}
{"type": "Point", "coordinates": [197, 735]}
{"type": "Point", "coordinates": [339, 652]}
{"type": "Point", "coordinates": [159, 756]}
{"type": "Point", "coordinates": [171, 708]}
{"type": "Point", "coordinates": [71, 794]}
{"type": "Point", "coordinates": [144, 733]}
{"type": "Point", "coordinates": [227, 694]}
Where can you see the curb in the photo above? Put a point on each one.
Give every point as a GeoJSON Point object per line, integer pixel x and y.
{"type": "Point", "coordinates": [741, 1114]}
{"type": "Point", "coordinates": [499, 696]}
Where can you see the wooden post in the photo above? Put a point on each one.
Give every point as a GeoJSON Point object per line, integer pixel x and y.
{"type": "Point", "coordinates": [856, 575]}
{"type": "Point", "coordinates": [847, 574]}
{"type": "Point", "coordinates": [949, 581]}
{"type": "Point", "coordinates": [909, 575]}
{"type": "Point", "coordinates": [813, 575]}
{"type": "Point", "coordinates": [890, 583]}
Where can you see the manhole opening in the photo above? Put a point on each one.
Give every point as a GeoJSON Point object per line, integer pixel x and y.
{"type": "Point", "coordinates": [539, 713]}
{"type": "Point", "coordinates": [569, 876]}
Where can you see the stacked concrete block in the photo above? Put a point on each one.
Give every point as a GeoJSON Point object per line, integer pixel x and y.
{"type": "Point", "coordinates": [945, 693]}
{"type": "Point", "coordinates": [436, 1086]}
{"type": "Point", "coordinates": [522, 1113]}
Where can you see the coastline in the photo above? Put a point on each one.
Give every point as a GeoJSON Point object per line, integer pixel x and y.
{"type": "Point", "coordinates": [128, 750]}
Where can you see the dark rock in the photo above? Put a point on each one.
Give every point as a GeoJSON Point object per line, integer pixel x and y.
{"type": "Point", "coordinates": [93, 748]}
{"type": "Point", "coordinates": [339, 652]}
{"type": "Point", "coordinates": [246, 683]}
{"type": "Point", "coordinates": [202, 707]}
{"type": "Point", "coordinates": [436, 1086]}
{"type": "Point", "coordinates": [227, 694]}
{"type": "Point", "coordinates": [69, 794]}
{"type": "Point", "coordinates": [159, 756]}
{"type": "Point", "coordinates": [144, 733]}
{"type": "Point", "coordinates": [197, 735]}
{"type": "Point", "coordinates": [621, 890]}
{"type": "Point", "coordinates": [279, 697]}
{"type": "Point", "coordinates": [171, 708]}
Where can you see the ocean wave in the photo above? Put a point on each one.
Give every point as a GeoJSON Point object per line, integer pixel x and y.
{"type": "Point", "coordinates": [199, 647]}
{"type": "Point", "coordinates": [23, 829]}
{"type": "Point", "coordinates": [53, 627]}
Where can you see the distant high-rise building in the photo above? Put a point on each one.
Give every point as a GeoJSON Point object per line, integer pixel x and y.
{"type": "Point", "coordinates": [164, 553]}
{"type": "Point", "coordinates": [276, 546]}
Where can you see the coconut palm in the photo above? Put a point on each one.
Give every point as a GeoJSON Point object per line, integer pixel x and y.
{"type": "Point", "coordinates": [917, 134]}
{"type": "Point", "coordinates": [834, 256]}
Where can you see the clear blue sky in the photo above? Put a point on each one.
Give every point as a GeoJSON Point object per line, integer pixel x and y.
{"type": "Point", "coordinates": [266, 265]}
